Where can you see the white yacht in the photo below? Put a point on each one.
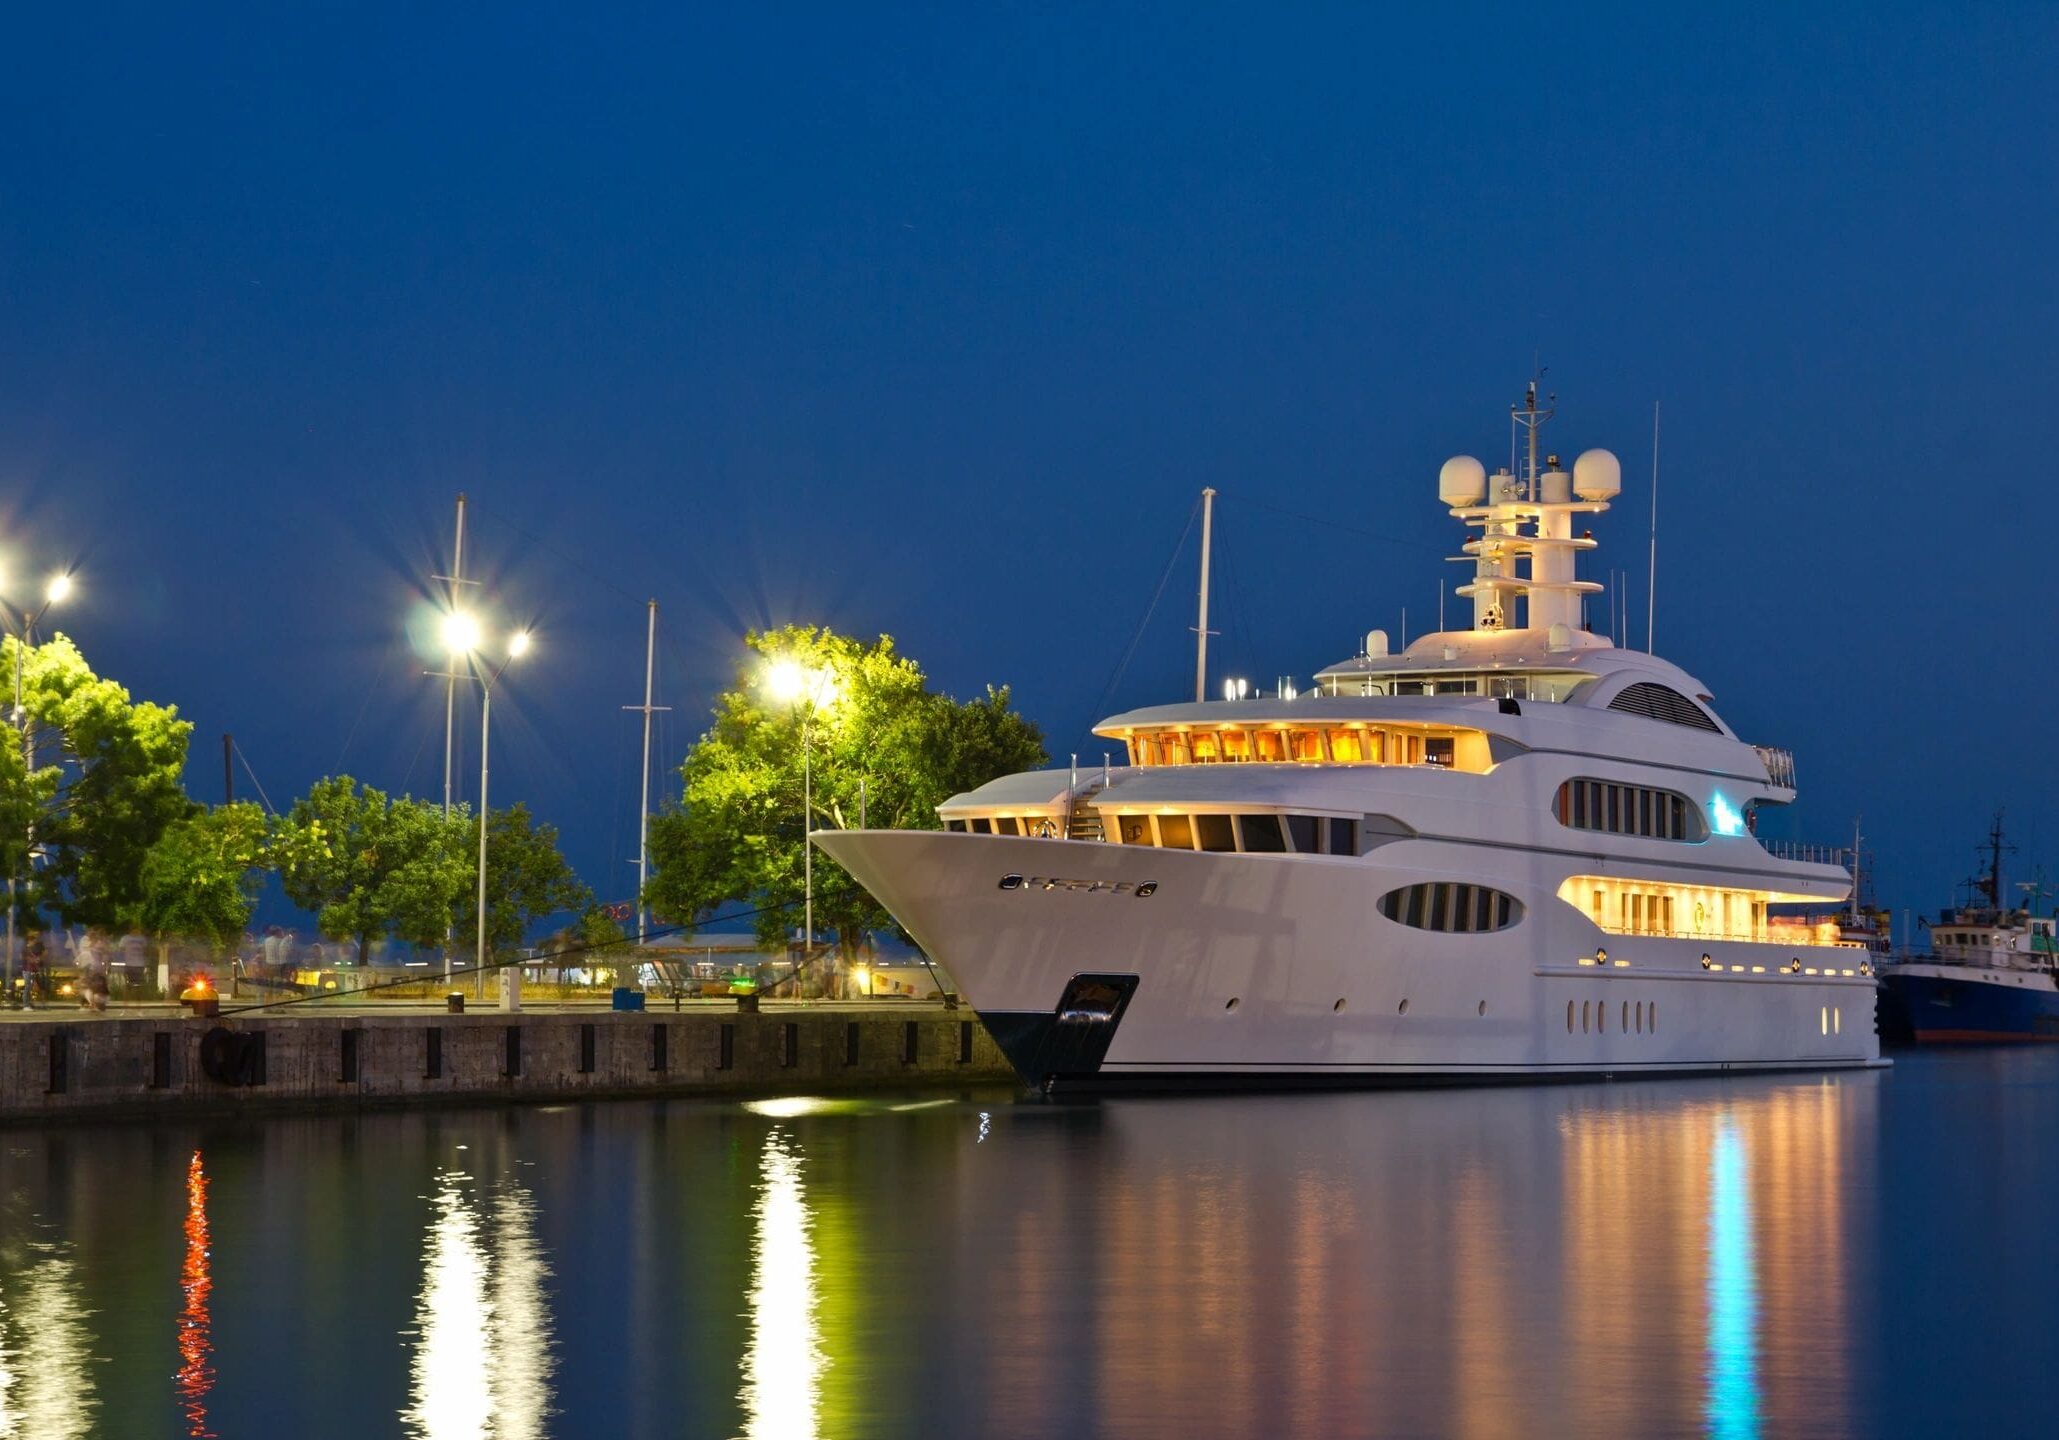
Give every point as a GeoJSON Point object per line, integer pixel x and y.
{"type": "Point", "coordinates": [1512, 851]}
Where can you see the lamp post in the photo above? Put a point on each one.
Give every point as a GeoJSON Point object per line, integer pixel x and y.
{"type": "Point", "coordinates": [460, 639]}
{"type": "Point", "coordinates": [790, 681]}
{"type": "Point", "coordinates": [461, 633]}
{"type": "Point", "coordinates": [54, 593]}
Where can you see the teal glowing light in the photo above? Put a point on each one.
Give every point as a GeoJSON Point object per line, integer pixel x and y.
{"type": "Point", "coordinates": [1732, 1346]}
{"type": "Point", "coordinates": [1726, 818]}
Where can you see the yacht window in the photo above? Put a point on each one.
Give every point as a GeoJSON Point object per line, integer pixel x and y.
{"type": "Point", "coordinates": [1308, 744]}
{"type": "Point", "coordinates": [1007, 825]}
{"type": "Point", "coordinates": [981, 825]}
{"type": "Point", "coordinates": [1444, 905]}
{"type": "Point", "coordinates": [1302, 829]}
{"type": "Point", "coordinates": [1134, 829]}
{"type": "Point", "coordinates": [958, 825]}
{"type": "Point", "coordinates": [1207, 747]}
{"type": "Point", "coordinates": [1236, 745]}
{"type": "Point", "coordinates": [1457, 687]}
{"type": "Point", "coordinates": [1437, 750]}
{"type": "Point", "coordinates": [1215, 832]}
{"type": "Point", "coordinates": [1628, 810]}
{"type": "Point", "coordinates": [1262, 834]}
{"type": "Point", "coordinates": [1656, 702]}
{"type": "Point", "coordinates": [1272, 745]}
{"type": "Point", "coordinates": [1347, 746]}
{"type": "Point", "coordinates": [1176, 832]}
{"type": "Point", "coordinates": [1343, 837]}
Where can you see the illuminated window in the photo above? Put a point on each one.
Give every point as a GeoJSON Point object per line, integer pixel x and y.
{"type": "Point", "coordinates": [1308, 744]}
{"type": "Point", "coordinates": [1133, 829]}
{"type": "Point", "coordinates": [1272, 745]}
{"type": "Point", "coordinates": [1346, 746]}
{"type": "Point", "coordinates": [1175, 832]}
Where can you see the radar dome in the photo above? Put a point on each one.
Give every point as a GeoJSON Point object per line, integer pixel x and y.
{"type": "Point", "coordinates": [1597, 475]}
{"type": "Point", "coordinates": [1462, 482]}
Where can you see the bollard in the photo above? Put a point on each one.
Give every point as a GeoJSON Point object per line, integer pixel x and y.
{"type": "Point", "coordinates": [205, 1007]}
{"type": "Point", "coordinates": [747, 1004]}
{"type": "Point", "coordinates": [455, 1002]}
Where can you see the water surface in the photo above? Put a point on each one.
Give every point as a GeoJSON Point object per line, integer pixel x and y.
{"type": "Point", "coordinates": [1861, 1254]}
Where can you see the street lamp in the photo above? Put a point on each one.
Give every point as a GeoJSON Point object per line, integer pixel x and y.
{"type": "Point", "coordinates": [789, 681]}
{"type": "Point", "coordinates": [465, 638]}
{"type": "Point", "coordinates": [22, 625]}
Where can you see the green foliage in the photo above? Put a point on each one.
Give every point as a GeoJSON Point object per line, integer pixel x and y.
{"type": "Point", "coordinates": [738, 833]}
{"type": "Point", "coordinates": [200, 879]}
{"type": "Point", "coordinates": [102, 786]}
{"type": "Point", "coordinates": [526, 879]}
{"type": "Point", "coordinates": [367, 865]}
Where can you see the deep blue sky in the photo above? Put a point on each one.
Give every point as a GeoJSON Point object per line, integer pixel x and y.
{"type": "Point", "coordinates": [934, 322]}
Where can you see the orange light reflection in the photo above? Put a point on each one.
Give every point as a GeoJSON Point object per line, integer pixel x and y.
{"type": "Point", "coordinates": [196, 1281]}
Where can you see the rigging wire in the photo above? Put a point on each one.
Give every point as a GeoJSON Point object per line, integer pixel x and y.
{"type": "Point", "coordinates": [270, 809]}
{"type": "Point", "coordinates": [1330, 523]}
{"type": "Point", "coordinates": [1101, 705]}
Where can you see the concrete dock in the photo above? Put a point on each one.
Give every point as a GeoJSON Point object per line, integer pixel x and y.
{"type": "Point", "coordinates": [56, 1064]}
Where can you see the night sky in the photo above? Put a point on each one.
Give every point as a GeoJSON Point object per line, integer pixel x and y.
{"type": "Point", "coordinates": [935, 322]}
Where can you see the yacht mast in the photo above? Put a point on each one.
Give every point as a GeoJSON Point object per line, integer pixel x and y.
{"type": "Point", "coordinates": [1201, 628]}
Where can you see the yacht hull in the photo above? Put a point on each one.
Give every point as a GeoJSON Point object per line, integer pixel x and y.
{"type": "Point", "coordinates": [1264, 971]}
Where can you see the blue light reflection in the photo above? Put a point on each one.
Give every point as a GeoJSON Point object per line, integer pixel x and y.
{"type": "Point", "coordinates": [1733, 1293]}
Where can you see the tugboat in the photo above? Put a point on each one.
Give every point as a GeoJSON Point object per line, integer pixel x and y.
{"type": "Point", "coordinates": [1990, 975]}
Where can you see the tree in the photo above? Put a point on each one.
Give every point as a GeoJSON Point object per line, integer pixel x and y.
{"type": "Point", "coordinates": [737, 833]}
{"type": "Point", "coordinates": [368, 866]}
{"type": "Point", "coordinates": [103, 787]}
{"type": "Point", "coordinates": [200, 879]}
{"type": "Point", "coordinates": [526, 879]}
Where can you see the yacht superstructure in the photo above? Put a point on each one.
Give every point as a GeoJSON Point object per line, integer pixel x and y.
{"type": "Point", "coordinates": [1513, 850]}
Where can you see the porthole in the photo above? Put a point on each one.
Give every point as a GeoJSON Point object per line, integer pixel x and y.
{"type": "Point", "coordinates": [1584, 1009]}
{"type": "Point", "coordinates": [1837, 1021]}
{"type": "Point", "coordinates": [1624, 1024]}
{"type": "Point", "coordinates": [1651, 1016]}
{"type": "Point", "coordinates": [1569, 1017]}
{"type": "Point", "coordinates": [1338, 1006]}
{"type": "Point", "coordinates": [1794, 967]}
{"type": "Point", "coordinates": [1708, 963]}
{"type": "Point", "coordinates": [1233, 1003]}
{"type": "Point", "coordinates": [1824, 1016]}
{"type": "Point", "coordinates": [1601, 1017]}
{"type": "Point", "coordinates": [1402, 1009]}
{"type": "Point", "coordinates": [1483, 1009]}
{"type": "Point", "coordinates": [1640, 1017]}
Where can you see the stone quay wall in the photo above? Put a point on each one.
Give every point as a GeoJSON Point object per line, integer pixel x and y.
{"type": "Point", "coordinates": [106, 1067]}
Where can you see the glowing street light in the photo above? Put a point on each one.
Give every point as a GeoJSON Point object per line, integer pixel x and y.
{"type": "Point", "coordinates": [800, 687]}
{"type": "Point", "coordinates": [460, 633]}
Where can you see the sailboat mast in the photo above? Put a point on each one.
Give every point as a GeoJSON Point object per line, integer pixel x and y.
{"type": "Point", "coordinates": [643, 809]}
{"type": "Point", "coordinates": [1201, 627]}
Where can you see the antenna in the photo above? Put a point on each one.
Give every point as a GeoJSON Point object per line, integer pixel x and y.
{"type": "Point", "coordinates": [1531, 418]}
{"type": "Point", "coordinates": [1651, 588]}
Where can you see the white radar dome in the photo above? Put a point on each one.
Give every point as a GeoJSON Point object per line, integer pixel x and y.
{"type": "Point", "coordinates": [1462, 482]}
{"type": "Point", "coordinates": [1597, 475]}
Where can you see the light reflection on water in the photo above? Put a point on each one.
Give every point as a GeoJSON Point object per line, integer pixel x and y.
{"type": "Point", "coordinates": [482, 1358]}
{"type": "Point", "coordinates": [46, 1377]}
{"type": "Point", "coordinates": [196, 1284]}
{"type": "Point", "coordinates": [783, 1366]}
{"type": "Point", "coordinates": [1748, 1257]}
